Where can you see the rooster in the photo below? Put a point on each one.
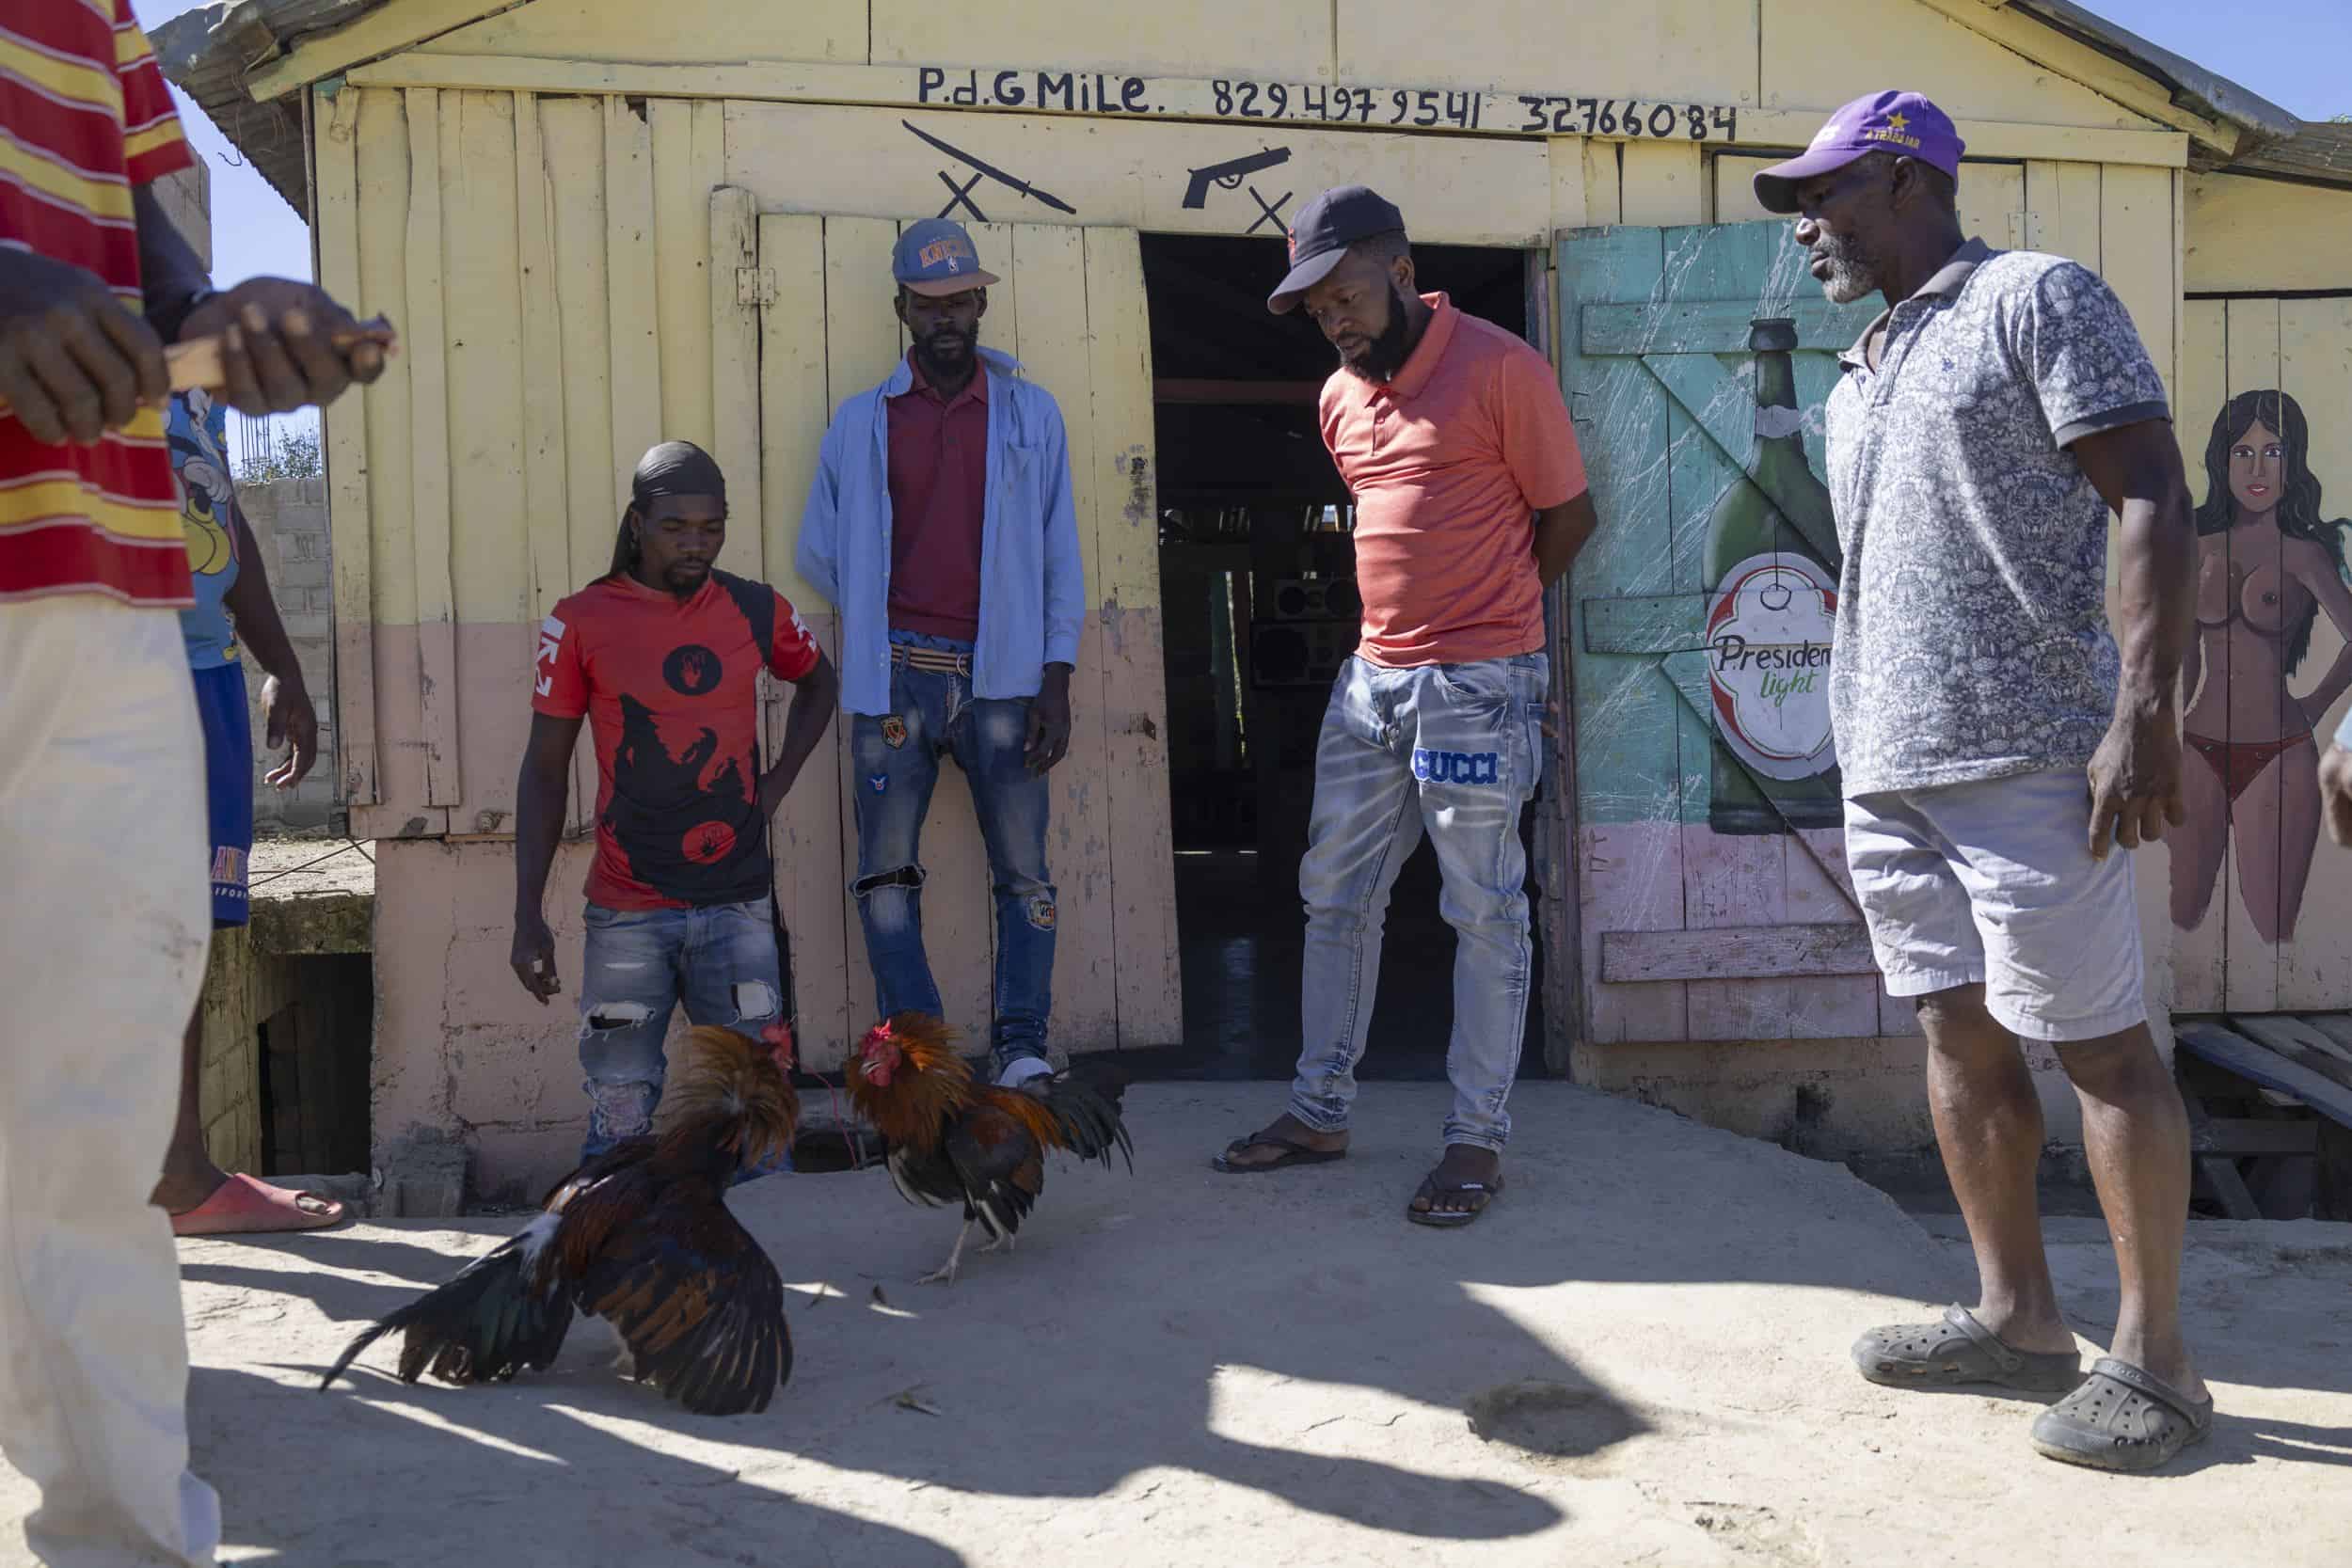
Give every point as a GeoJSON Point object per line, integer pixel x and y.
{"type": "Point", "coordinates": [640, 1237]}
{"type": "Point", "coordinates": [952, 1141]}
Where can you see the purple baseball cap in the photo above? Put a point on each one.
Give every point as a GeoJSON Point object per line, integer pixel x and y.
{"type": "Point", "coordinates": [1899, 123]}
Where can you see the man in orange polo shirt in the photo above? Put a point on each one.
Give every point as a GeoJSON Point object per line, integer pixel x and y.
{"type": "Point", "coordinates": [1469, 501]}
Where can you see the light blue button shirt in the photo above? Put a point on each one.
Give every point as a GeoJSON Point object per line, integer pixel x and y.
{"type": "Point", "coordinates": [1032, 585]}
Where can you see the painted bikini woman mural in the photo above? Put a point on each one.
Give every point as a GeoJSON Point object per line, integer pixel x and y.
{"type": "Point", "coordinates": [2269, 563]}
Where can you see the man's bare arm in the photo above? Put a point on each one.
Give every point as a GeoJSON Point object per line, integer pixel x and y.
{"type": "Point", "coordinates": [1560, 532]}
{"type": "Point", "coordinates": [2136, 775]}
{"type": "Point", "coordinates": [540, 792]}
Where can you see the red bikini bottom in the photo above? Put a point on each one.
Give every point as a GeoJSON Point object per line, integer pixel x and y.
{"type": "Point", "coordinates": [2239, 762]}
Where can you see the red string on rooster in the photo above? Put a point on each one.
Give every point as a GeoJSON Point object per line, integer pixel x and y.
{"type": "Point", "coordinates": [640, 1236]}
{"type": "Point", "coordinates": [952, 1141]}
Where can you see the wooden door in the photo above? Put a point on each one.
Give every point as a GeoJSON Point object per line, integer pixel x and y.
{"type": "Point", "coordinates": [1071, 309]}
{"type": "Point", "coordinates": [1688, 933]}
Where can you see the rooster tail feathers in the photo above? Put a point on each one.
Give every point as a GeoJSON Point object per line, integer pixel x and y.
{"type": "Point", "coordinates": [498, 1315]}
{"type": "Point", "coordinates": [1085, 1100]}
{"type": "Point", "coordinates": [351, 1351]}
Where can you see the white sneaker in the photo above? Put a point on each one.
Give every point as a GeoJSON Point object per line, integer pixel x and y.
{"type": "Point", "coordinates": [1021, 1069]}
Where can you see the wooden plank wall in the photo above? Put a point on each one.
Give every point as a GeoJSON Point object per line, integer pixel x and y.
{"type": "Point", "coordinates": [2298, 955]}
{"type": "Point", "coordinates": [1115, 971]}
{"type": "Point", "coordinates": [2134, 225]}
{"type": "Point", "coordinates": [568, 297]}
{"type": "Point", "coordinates": [549, 264]}
{"type": "Point", "coordinates": [2121, 220]}
{"type": "Point", "coordinates": [506, 233]}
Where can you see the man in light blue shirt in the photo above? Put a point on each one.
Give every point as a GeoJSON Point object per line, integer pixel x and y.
{"type": "Point", "coordinates": [941, 525]}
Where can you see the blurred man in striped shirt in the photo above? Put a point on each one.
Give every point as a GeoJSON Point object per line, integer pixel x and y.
{"type": "Point", "coordinates": [106, 910]}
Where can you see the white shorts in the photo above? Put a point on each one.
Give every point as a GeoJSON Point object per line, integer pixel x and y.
{"type": "Point", "coordinates": [1993, 883]}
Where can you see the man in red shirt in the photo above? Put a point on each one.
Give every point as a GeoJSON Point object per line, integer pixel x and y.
{"type": "Point", "coordinates": [662, 657]}
{"type": "Point", "coordinates": [1469, 501]}
{"type": "Point", "coordinates": [108, 914]}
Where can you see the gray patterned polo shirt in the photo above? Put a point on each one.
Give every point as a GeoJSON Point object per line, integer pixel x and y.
{"type": "Point", "coordinates": [1972, 635]}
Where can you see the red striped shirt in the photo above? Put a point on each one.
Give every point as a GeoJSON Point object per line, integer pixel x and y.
{"type": "Point", "coordinates": [85, 119]}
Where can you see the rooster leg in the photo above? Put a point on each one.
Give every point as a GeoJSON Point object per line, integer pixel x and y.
{"type": "Point", "coordinates": [946, 1273]}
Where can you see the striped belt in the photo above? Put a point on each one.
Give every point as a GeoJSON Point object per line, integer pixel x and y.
{"type": "Point", "coordinates": [939, 661]}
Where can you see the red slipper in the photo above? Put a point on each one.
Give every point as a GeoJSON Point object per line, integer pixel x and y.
{"type": "Point", "coordinates": [243, 1206]}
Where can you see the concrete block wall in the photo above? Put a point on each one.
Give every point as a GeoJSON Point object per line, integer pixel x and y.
{"type": "Point", "coordinates": [289, 518]}
{"type": "Point", "coordinates": [186, 199]}
{"type": "Point", "coordinates": [242, 988]}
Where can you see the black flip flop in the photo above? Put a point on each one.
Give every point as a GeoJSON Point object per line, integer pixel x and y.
{"type": "Point", "coordinates": [1293, 1153]}
{"type": "Point", "coordinates": [1455, 1219]}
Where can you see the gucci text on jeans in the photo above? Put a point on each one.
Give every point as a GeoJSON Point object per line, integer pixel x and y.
{"type": "Point", "coordinates": [1466, 767]}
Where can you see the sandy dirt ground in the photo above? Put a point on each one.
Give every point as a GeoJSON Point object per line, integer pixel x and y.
{"type": "Point", "coordinates": [1639, 1356]}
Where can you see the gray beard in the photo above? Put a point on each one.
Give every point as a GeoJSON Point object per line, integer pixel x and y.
{"type": "Point", "coordinates": [1846, 284]}
{"type": "Point", "coordinates": [1850, 278]}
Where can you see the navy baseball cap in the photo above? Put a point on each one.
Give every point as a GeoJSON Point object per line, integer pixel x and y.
{"type": "Point", "coordinates": [1899, 123]}
{"type": "Point", "coordinates": [1326, 226]}
{"type": "Point", "coordinates": [935, 257]}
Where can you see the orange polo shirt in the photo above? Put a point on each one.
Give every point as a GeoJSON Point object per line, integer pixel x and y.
{"type": "Point", "coordinates": [1448, 464]}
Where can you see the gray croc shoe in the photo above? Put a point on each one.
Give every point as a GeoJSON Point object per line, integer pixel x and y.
{"type": "Point", "coordinates": [1959, 1351]}
{"type": "Point", "coordinates": [2122, 1419]}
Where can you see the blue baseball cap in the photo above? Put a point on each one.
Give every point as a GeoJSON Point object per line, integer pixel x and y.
{"type": "Point", "coordinates": [1899, 123]}
{"type": "Point", "coordinates": [935, 257]}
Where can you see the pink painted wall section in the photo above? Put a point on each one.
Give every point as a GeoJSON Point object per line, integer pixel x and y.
{"type": "Point", "coordinates": [460, 1046]}
{"type": "Point", "coordinates": [483, 721]}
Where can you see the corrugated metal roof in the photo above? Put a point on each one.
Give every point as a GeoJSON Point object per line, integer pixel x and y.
{"type": "Point", "coordinates": [213, 51]}
{"type": "Point", "coordinates": [2319, 152]}
{"type": "Point", "coordinates": [209, 54]}
{"type": "Point", "coordinates": [2192, 86]}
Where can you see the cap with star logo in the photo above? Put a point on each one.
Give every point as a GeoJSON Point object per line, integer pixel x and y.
{"type": "Point", "coordinates": [1899, 123]}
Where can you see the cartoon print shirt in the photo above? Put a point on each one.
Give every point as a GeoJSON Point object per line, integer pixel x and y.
{"type": "Point", "coordinates": [197, 432]}
{"type": "Point", "coordinates": [670, 691]}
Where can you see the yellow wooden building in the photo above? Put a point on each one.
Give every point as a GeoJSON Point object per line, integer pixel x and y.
{"type": "Point", "coordinates": [601, 223]}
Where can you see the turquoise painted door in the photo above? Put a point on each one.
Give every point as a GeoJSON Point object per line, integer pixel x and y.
{"type": "Point", "coordinates": [1714, 899]}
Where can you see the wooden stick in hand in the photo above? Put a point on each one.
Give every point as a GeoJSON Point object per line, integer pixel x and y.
{"type": "Point", "coordinates": [196, 362]}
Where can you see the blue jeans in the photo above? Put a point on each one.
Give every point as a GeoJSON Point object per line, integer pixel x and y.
{"type": "Point", "coordinates": [1454, 751]}
{"type": "Point", "coordinates": [639, 964]}
{"type": "Point", "coordinates": [933, 714]}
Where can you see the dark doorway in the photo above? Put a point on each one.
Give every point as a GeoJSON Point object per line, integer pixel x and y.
{"type": "Point", "coordinates": [1257, 584]}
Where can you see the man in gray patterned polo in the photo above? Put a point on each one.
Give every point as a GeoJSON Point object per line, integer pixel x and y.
{"type": "Point", "coordinates": [1997, 746]}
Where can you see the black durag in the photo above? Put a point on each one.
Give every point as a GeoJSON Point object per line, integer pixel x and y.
{"type": "Point", "coordinates": [672, 468]}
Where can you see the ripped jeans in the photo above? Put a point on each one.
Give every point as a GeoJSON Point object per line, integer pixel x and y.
{"type": "Point", "coordinates": [933, 714]}
{"type": "Point", "coordinates": [639, 964]}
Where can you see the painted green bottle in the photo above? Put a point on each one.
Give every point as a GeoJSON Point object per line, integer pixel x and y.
{"type": "Point", "coordinates": [1772, 607]}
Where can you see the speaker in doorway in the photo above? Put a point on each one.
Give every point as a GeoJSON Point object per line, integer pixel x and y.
{"type": "Point", "coordinates": [1299, 652]}
{"type": "Point", "coordinates": [1316, 599]}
